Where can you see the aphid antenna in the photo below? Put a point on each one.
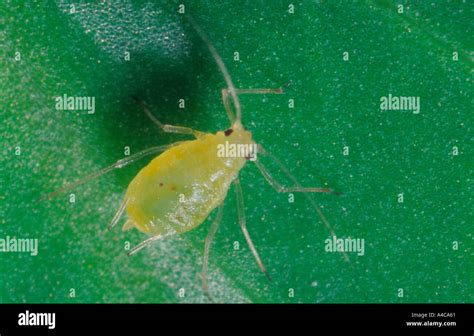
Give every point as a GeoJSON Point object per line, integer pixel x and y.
{"type": "Point", "coordinates": [220, 63]}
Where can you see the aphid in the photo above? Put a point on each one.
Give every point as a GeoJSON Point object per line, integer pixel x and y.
{"type": "Point", "coordinates": [179, 188]}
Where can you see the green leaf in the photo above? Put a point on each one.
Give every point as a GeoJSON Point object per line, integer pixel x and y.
{"type": "Point", "coordinates": [79, 49]}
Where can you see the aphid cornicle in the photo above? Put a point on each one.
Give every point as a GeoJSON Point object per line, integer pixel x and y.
{"type": "Point", "coordinates": [179, 189]}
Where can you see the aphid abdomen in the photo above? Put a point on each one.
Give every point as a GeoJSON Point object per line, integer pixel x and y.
{"type": "Point", "coordinates": [178, 189]}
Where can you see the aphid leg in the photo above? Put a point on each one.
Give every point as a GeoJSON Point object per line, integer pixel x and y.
{"type": "Point", "coordinates": [119, 164]}
{"type": "Point", "coordinates": [207, 246]}
{"type": "Point", "coordinates": [118, 214]}
{"type": "Point", "coordinates": [165, 127]}
{"type": "Point", "coordinates": [297, 188]}
{"type": "Point", "coordinates": [243, 226]}
{"type": "Point", "coordinates": [280, 188]}
{"type": "Point", "coordinates": [259, 91]}
{"type": "Point", "coordinates": [144, 243]}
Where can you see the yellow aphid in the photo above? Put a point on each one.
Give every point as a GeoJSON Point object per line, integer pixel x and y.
{"type": "Point", "coordinates": [178, 189]}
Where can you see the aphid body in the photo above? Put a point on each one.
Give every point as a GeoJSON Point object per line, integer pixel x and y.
{"type": "Point", "coordinates": [178, 190]}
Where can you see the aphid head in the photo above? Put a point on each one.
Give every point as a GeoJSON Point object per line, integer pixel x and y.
{"type": "Point", "coordinates": [238, 134]}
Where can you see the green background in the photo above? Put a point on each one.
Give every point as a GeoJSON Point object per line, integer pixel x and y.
{"type": "Point", "coordinates": [407, 245]}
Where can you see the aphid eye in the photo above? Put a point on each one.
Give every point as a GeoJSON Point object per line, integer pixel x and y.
{"type": "Point", "coordinates": [228, 132]}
